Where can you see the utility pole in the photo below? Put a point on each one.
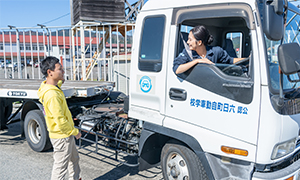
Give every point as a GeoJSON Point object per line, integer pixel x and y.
{"type": "Point", "coordinates": [48, 46]}
{"type": "Point", "coordinates": [18, 54]}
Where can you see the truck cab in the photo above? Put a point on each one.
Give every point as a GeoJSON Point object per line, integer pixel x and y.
{"type": "Point", "coordinates": [218, 121]}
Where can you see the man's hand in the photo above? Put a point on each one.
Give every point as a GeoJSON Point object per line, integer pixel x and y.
{"type": "Point", "coordinates": [78, 135]}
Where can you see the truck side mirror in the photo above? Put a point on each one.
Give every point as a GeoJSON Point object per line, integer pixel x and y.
{"type": "Point", "coordinates": [278, 7]}
{"type": "Point", "coordinates": [273, 19]}
{"type": "Point", "coordinates": [289, 58]}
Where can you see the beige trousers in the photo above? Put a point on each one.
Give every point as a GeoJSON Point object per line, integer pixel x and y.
{"type": "Point", "coordinates": [66, 158]}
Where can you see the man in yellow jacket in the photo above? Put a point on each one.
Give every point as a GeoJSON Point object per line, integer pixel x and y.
{"type": "Point", "coordinates": [59, 121]}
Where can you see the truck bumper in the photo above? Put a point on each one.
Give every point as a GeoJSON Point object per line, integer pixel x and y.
{"type": "Point", "coordinates": [292, 171]}
{"type": "Point", "coordinates": [228, 168]}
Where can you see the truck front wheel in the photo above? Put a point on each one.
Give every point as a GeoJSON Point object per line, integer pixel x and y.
{"type": "Point", "coordinates": [180, 162]}
{"type": "Point", "coordinates": [36, 132]}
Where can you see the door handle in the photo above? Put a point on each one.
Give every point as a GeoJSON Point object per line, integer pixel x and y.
{"type": "Point", "coordinates": [177, 94]}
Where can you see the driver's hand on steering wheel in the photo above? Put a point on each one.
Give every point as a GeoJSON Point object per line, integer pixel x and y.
{"type": "Point", "coordinates": [236, 60]}
{"type": "Point", "coordinates": [204, 60]}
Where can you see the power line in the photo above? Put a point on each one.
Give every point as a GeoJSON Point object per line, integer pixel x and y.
{"type": "Point", "coordinates": [55, 19]}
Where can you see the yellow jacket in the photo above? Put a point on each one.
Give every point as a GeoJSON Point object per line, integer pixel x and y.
{"type": "Point", "coordinates": [57, 114]}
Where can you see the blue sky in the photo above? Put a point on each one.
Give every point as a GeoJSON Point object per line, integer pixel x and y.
{"type": "Point", "coordinates": [29, 13]}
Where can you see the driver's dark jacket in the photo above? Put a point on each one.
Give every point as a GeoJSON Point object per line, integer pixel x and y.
{"type": "Point", "coordinates": [214, 53]}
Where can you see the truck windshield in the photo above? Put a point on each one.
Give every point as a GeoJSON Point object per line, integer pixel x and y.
{"type": "Point", "coordinates": [291, 35]}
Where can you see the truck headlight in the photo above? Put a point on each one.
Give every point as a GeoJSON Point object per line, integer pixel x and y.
{"type": "Point", "coordinates": [283, 149]}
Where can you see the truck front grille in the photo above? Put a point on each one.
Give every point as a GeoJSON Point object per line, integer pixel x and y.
{"type": "Point", "coordinates": [295, 157]}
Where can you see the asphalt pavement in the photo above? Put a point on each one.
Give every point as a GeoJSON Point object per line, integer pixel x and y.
{"type": "Point", "coordinates": [18, 162]}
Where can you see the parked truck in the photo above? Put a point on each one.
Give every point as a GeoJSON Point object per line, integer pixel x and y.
{"type": "Point", "coordinates": [219, 121]}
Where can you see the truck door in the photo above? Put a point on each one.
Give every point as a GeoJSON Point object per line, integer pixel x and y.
{"type": "Point", "coordinates": [148, 71]}
{"type": "Point", "coordinates": [217, 104]}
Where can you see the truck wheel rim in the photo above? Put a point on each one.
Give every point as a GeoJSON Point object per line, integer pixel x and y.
{"type": "Point", "coordinates": [177, 167]}
{"type": "Point", "coordinates": [34, 131]}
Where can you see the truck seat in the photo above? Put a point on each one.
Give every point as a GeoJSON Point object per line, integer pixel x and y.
{"type": "Point", "coordinates": [228, 47]}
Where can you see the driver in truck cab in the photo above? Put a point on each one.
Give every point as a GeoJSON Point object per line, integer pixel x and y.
{"type": "Point", "coordinates": [199, 52]}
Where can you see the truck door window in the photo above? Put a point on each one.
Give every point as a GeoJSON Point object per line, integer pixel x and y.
{"type": "Point", "coordinates": [232, 43]}
{"type": "Point", "coordinates": [150, 57]}
{"type": "Point", "coordinates": [233, 81]}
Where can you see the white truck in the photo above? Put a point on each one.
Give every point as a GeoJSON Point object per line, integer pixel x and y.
{"type": "Point", "coordinates": [221, 121]}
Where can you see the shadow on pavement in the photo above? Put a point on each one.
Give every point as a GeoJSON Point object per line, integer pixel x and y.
{"type": "Point", "coordinates": [122, 171]}
{"type": "Point", "coordinates": [12, 135]}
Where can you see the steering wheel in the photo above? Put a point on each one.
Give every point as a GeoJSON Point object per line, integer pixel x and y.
{"type": "Point", "coordinates": [236, 67]}
{"type": "Point", "coordinates": [244, 61]}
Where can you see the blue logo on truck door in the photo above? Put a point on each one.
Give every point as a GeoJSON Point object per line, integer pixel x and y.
{"type": "Point", "coordinates": [145, 84]}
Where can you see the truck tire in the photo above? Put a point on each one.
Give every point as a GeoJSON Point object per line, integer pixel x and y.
{"type": "Point", "coordinates": [180, 162]}
{"type": "Point", "coordinates": [36, 131]}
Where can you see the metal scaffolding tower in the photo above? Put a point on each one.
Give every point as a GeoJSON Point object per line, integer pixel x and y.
{"type": "Point", "coordinates": [108, 22]}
